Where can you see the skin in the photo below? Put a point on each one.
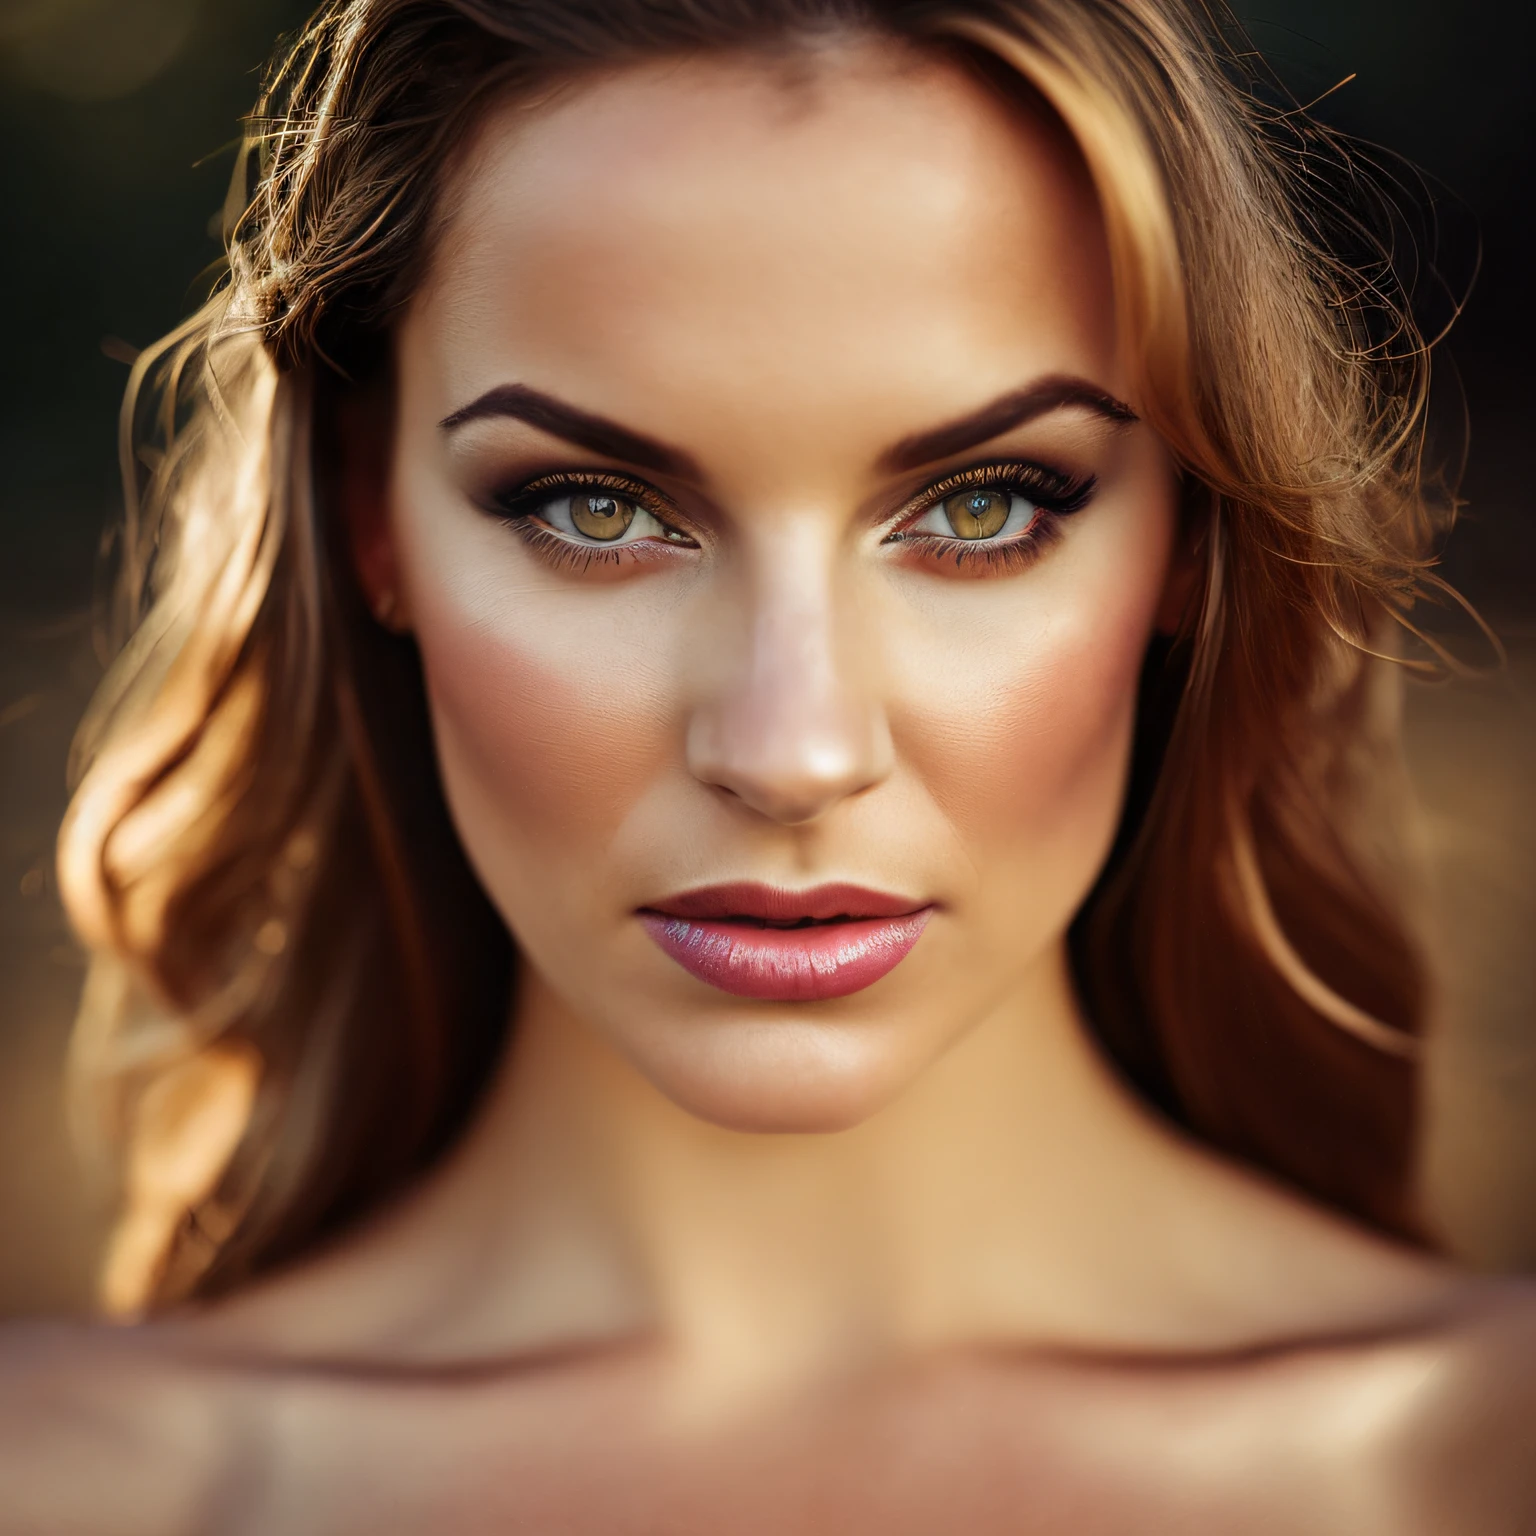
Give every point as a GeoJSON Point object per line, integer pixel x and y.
{"type": "Point", "coordinates": [910, 1259]}
{"type": "Point", "coordinates": [793, 701]}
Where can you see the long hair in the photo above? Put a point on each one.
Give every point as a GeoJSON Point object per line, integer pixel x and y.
{"type": "Point", "coordinates": [297, 985]}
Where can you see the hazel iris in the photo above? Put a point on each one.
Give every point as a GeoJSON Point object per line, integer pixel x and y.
{"type": "Point", "coordinates": [600, 516]}
{"type": "Point", "coordinates": [977, 514]}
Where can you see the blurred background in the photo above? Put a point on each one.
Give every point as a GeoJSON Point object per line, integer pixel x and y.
{"type": "Point", "coordinates": [121, 117]}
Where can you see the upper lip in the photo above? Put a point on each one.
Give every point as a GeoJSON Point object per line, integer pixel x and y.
{"type": "Point", "coordinates": [773, 904]}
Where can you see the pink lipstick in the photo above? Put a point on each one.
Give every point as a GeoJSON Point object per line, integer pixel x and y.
{"type": "Point", "coordinates": [786, 946]}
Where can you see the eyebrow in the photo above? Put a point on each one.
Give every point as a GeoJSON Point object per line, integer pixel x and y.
{"type": "Point", "coordinates": [1054, 393]}
{"type": "Point", "coordinates": [596, 433]}
{"type": "Point", "coordinates": [600, 435]}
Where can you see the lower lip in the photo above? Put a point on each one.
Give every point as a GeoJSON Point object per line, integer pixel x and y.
{"type": "Point", "coordinates": [788, 965]}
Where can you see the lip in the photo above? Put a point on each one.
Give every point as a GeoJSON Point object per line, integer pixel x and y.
{"type": "Point", "coordinates": [738, 938]}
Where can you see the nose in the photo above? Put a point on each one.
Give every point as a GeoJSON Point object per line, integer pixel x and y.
{"type": "Point", "coordinates": [791, 725]}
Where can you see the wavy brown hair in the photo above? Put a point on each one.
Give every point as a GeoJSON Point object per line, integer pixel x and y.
{"type": "Point", "coordinates": [298, 988]}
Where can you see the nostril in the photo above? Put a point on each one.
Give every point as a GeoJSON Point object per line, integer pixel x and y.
{"type": "Point", "coordinates": [766, 798]}
{"type": "Point", "coordinates": [787, 792]}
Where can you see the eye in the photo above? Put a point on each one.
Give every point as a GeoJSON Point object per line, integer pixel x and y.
{"type": "Point", "coordinates": [990, 517]}
{"type": "Point", "coordinates": [589, 513]}
{"type": "Point", "coordinates": [601, 516]}
{"type": "Point", "coordinates": [977, 513]}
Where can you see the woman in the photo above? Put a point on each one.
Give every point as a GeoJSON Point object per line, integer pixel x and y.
{"type": "Point", "coordinates": [862, 534]}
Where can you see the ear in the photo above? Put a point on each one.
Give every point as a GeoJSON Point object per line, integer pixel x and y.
{"type": "Point", "coordinates": [1186, 564]}
{"type": "Point", "coordinates": [364, 435]}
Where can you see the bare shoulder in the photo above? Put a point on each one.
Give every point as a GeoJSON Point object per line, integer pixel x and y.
{"type": "Point", "coordinates": [1420, 1431]}
{"type": "Point", "coordinates": [1466, 1447]}
{"type": "Point", "coordinates": [102, 1430]}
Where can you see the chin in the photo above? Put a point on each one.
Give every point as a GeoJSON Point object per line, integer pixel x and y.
{"type": "Point", "coordinates": [778, 1076]}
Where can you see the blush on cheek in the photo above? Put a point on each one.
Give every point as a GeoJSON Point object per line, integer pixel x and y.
{"type": "Point", "coordinates": [1073, 750]}
{"type": "Point", "coordinates": [1028, 764]}
{"type": "Point", "coordinates": [551, 748]}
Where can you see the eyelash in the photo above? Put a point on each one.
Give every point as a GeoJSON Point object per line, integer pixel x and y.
{"type": "Point", "coordinates": [1053, 494]}
{"type": "Point", "coordinates": [518, 509]}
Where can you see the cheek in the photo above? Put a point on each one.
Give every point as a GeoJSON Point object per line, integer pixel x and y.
{"type": "Point", "coordinates": [548, 724]}
{"type": "Point", "coordinates": [534, 738]}
{"type": "Point", "coordinates": [1023, 734]}
{"type": "Point", "coordinates": [1025, 749]}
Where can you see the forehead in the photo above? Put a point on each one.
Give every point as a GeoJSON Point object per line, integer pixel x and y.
{"type": "Point", "coordinates": [875, 224]}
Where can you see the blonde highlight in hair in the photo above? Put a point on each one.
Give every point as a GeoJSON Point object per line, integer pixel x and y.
{"type": "Point", "coordinates": [298, 987]}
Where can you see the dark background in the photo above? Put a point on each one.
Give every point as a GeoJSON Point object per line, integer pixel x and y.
{"type": "Point", "coordinates": [118, 119]}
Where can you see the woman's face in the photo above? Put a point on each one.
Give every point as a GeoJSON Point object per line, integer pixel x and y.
{"type": "Point", "coordinates": [771, 520]}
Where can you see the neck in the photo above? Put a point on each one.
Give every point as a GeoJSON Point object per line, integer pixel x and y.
{"type": "Point", "coordinates": [1015, 1194]}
